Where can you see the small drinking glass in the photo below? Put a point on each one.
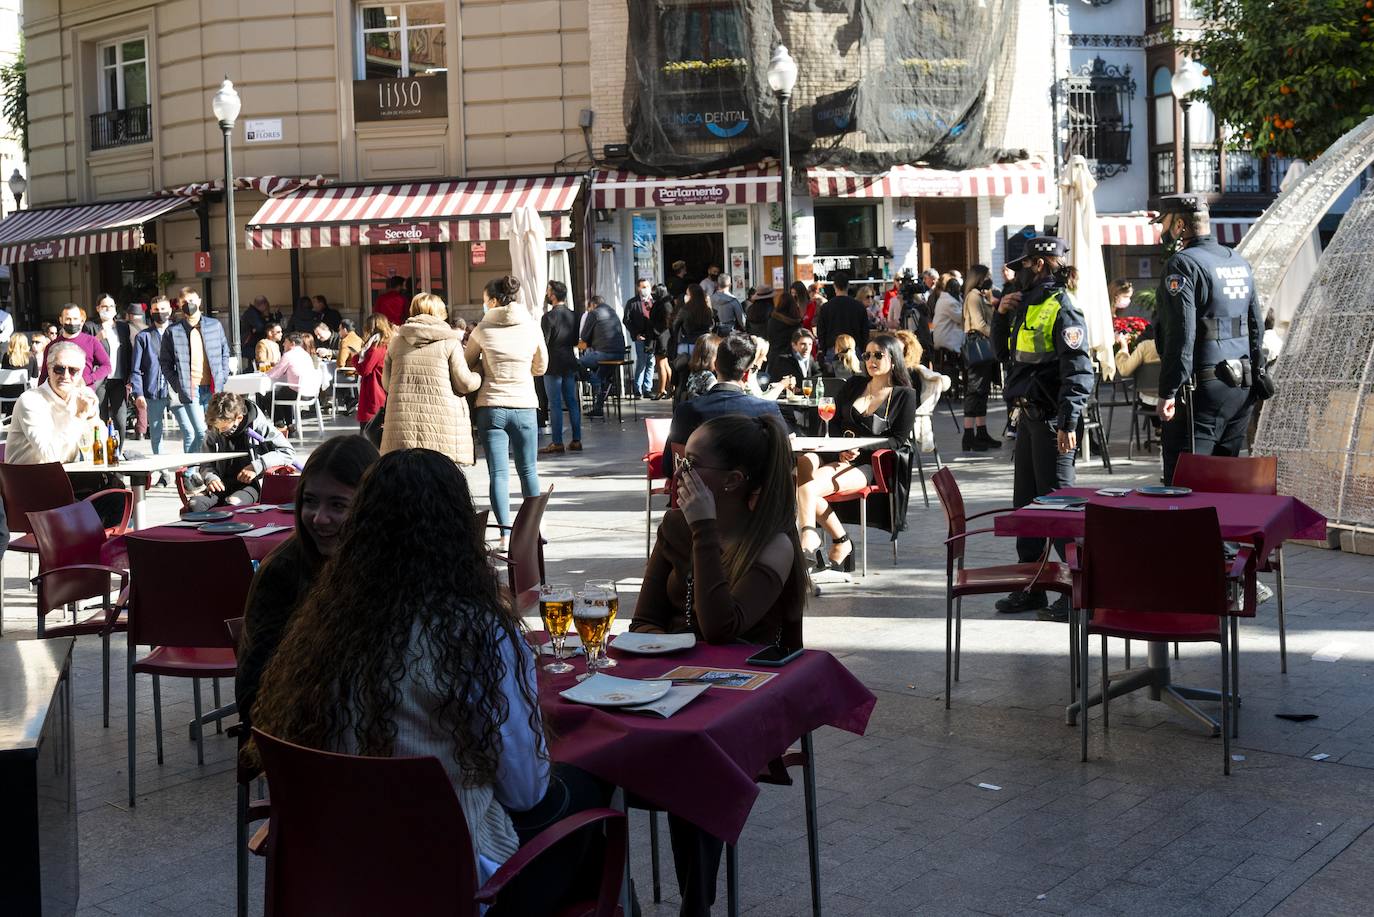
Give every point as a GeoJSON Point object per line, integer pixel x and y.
{"type": "Point", "coordinates": [825, 409]}
{"type": "Point", "coordinates": [806, 389]}
{"type": "Point", "coordinates": [556, 608]}
{"type": "Point", "coordinates": [590, 617]}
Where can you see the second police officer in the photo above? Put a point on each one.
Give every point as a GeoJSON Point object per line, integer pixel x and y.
{"type": "Point", "coordinates": [1209, 330]}
{"type": "Point", "coordinates": [1041, 332]}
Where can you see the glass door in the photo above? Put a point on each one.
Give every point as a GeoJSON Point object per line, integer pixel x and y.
{"type": "Point", "coordinates": [422, 268]}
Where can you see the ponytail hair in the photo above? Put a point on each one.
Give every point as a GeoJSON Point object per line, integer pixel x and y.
{"type": "Point", "coordinates": [503, 289]}
{"type": "Point", "coordinates": [759, 448]}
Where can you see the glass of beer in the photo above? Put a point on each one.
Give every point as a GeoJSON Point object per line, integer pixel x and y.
{"type": "Point", "coordinates": [806, 388]}
{"type": "Point", "coordinates": [825, 408]}
{"type": "Point", "coordinates": [591, 618]}
{"type": "Point", "coordinates": [603, 590]}
{"type": "Point", "coordinates": [556, 608]}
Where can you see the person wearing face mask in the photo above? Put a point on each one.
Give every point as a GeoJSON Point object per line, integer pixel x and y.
{"type": "Point", "coordinates": [115, 338]}
{"type": "Point", "coordinates": [195, 361]}
{"type": "Point", "coordinates": [71, 322]}
{"type": "Point", "coordinates": [323, 498]}
{"type": "Point", "coordinates": [147, 386]}
{"type": "Point", "coordinates": [1042, 332]}
{"type": "Point", "coordinates": [638, 308]}
{"type": "Point", "coordinates": [1210, 332]}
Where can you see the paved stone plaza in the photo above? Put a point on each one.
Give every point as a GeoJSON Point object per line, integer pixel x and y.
{"type": "Point", "coordinates": [1148, 826]}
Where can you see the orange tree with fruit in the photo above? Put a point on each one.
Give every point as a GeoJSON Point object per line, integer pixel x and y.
{"type": "Point", "coordinates": [1289, 77]}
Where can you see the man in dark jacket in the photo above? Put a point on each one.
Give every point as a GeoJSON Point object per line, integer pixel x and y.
{"type": "Point", "coordinates": [797, 362]}
{"type": "Point", "coordinates": [734, 356]}
{"type": "Point", "coordinates": [638, 309]}
{"type": "Point", "coordinates": [114, 336]}
{"type": "Point", "coordinates": [237, 425]}
{"type": "Point", "coordinates": [842, 315]}
{"type": "Point", "coordinates": [147, 386]}
{"type": "Point", "coordinates": [601, 339]}
{"type": "Point", "coordinates": [195, 362]}
{"type": "Point", "coordinates": [560, 375]}
{"type": "Point", "coordinates": [1043, 335]}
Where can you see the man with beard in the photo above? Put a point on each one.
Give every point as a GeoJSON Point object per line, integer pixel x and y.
{"type": "Point", "coordinates": [1040, 330]}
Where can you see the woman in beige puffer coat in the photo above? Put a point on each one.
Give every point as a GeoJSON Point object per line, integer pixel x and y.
{"type": "Point", "coordinates": [426, 377]}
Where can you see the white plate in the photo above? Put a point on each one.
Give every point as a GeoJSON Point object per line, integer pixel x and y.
{"type": "Point", "coordinates": [653, 644]}
{"type": "Point", "coordinates": [608, 691]}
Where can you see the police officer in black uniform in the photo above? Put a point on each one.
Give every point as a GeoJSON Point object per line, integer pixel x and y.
{"type": "Point", "coordinates": [1209, 327]}
{"type": "Point", "coordinates": [1041, 332]}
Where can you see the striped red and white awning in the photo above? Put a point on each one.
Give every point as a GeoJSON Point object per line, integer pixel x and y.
{"type": "Point", "coordinates": [80, 229]}
{"type": "Point", "coordinates": [1230, 232]}
{"type": "Point", "coordinates": [757, 184]}
{"type": "Point", "coordinates": [1000, 180]}
{"type": "Point", "coordinates": [454, 210]}
{"type": "Point", "coordinates": [1128, 228]}
{"type": "Point", "coordinates": [268, 185]}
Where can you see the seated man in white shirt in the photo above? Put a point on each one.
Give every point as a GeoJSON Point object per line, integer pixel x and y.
{"type": "Point", "coordinates": [50, 421]}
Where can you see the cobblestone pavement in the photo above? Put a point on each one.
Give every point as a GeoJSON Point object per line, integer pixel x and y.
{"type": "Point", "coordinates": [1148, 826]}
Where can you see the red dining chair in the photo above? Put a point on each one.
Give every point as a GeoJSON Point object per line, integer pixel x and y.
{"type": "Point", "coordinates": [34, 489]}
{"type": "Point", "coordinates": [351, 836]}
{"type": "Point", "coordinates": [1241, 475]}
{"type": "Point", "coordinates": [279, 485]}
{"type": "Point", "coordinates": [657, 429]}
{"type": "Point", "coordinates": [247, 809]}
{"type": "Point", "coordinates": [960, 581]}
{"type": "Point", "coordinates": [1193, 604]}
{"type": "Point", "coordinates": [524, 557]}
{"type": "Point", "coordinates": [884, 484]}
{"type": "Point", "coordinates": [182, 618]}
{"type": "Point", "coordinates": [69, 539]}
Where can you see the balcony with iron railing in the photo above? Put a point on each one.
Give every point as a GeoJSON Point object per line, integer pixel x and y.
{"type": "Point", "coordinates": [122, 127]}
{"type": "Point", "coordinates": [1247, 173]}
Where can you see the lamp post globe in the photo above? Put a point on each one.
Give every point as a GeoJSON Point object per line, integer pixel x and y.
{"type": "Point", "coordinates": [226, 106]}
{"type": "Point", "coordinates": [782, 77]}
{"type": "Point", "coordinates": [18, 185]}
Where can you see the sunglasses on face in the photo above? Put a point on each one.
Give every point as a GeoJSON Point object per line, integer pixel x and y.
{"type": "Point", "coordinates": [874, 355]}
{"type": "Point", "coordinates": [66, 370]}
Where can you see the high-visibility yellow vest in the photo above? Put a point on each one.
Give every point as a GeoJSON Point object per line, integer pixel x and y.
{"type": "Point", "coordinates": [1035, 338]}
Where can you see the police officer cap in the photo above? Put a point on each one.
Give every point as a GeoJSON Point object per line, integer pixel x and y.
{"type": "Point", "coordinates": [1044, 246]}
{"type": "Point", "coordinates": [1180, 203]}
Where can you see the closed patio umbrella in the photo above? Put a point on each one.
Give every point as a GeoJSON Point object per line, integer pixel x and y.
{"type": "Point", "coordinates": [1078, 227]}
{"type": "Point", "coordinates": [529, 258]}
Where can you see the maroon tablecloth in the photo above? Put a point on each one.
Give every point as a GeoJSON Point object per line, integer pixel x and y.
{"type": "Point", "coordinates": [114, 553]}
{"type": "Point", "coordinates": [1265, 521]}
{"type": "Point", "coordinates": [702, 762]}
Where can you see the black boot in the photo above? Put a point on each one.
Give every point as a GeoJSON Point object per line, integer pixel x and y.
{"type": "Point", "coordinates": [986, 439]}
{"type": "Point", "coordinates": [972, 443]}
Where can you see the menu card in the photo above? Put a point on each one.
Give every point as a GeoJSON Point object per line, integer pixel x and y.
{"type": "Point", "coordinates": [730, 679]}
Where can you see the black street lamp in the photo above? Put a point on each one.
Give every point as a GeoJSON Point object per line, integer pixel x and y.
{"type": "Point", "coordinates": [226, 105]}
{"type": "Point", "coordinates": [782, 76]}
{"type": "Point", "coordinates": [1187, 81]}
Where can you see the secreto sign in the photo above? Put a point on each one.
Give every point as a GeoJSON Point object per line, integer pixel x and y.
{"type": "Point", "coordinates": [402, 233]}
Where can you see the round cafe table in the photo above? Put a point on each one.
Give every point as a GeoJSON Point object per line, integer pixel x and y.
{"type": "Point", "coordinates": [115, 554]}
{"type": "Point", "coordinates": [703, 763]}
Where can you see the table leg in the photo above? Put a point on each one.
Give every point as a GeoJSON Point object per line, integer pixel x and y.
{"type": "Point", "coordinates": [139, 485]}
{"type": "Point", "coordinates": [1156, 677]}
{"type": "Point", "coordinates": [813, 841]}
{"type": "Point", "coordinates": [627, 907]}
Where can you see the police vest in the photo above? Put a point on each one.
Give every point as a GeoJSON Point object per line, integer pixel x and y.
{"type": "Point", "coordinates": [1034, 341]}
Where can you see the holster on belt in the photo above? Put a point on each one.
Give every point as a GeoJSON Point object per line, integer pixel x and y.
{"type": "Point", "coordinates": [1234, 373]}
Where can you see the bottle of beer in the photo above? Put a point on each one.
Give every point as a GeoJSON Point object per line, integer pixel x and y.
{"type": "Point", "coordinates": [98, 448]}
{"type": "Point", "coordinates": [111, 447]}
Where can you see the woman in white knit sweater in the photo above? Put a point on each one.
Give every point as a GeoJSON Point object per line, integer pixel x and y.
{"type": "Point", "coordinates": [427, 660]}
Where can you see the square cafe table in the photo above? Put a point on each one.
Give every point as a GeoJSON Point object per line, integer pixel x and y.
{"type": "Point", "coordinates": [836, 444]}
{"type": "Point", "coordinates": [1264, 520]}
{"type": "Point", "coordinates": [138, 471]}
{"type": "Point", "coordinates": [703, 763]}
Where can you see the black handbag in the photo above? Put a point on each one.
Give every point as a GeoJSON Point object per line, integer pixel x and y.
{"type": "Point", "coordinates": [373, 429]}
{"type": "Point", "coordinates": [977, 349]}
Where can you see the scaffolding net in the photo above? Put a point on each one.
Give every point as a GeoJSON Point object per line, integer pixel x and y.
{"type": "Point", "coordinates": [881, 82]}
{"type": "Point", "coordinates": [1321, 422]}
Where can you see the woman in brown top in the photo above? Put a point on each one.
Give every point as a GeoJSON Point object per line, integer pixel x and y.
{"type": "Point", "coordinates": [731, 545]}
{"type": "Point", "coordinates": [727, 566]}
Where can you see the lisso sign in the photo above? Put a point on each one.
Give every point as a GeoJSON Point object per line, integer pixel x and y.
{"type": "Point", "coordinates": [400, 99]}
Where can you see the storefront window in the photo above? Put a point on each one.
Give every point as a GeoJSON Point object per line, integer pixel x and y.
{"type": "Point", "coordinates": [644, 227]}
{"type": "Point", "coordinates": [846, 229]}
{"type": "Point", "coordinates": [402, 40]}
{"type": "Point", "coordinates": [422, 268]}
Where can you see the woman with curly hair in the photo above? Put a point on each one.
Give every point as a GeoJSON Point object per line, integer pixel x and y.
{"type": "Point", "coordinates": [429, 660]}
{"type": "Point", "coordinates": [323, 498]}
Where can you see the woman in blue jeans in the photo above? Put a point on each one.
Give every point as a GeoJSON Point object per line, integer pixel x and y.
{"type": "Point", "coordinates": [560, 380]}
{"type": "Point", "coordinates": [509, 346]}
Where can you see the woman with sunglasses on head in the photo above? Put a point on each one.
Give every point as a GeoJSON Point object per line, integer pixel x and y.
{"type": "Point", "coordinates": [880, 403]}
{"type": "Point", "coordinates": [726, 567]}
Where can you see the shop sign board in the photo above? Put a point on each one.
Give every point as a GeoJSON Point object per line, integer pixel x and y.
{"type": "Point", "coordinates": [709, 114]}
{"type": "Point", "coordinates": [693, 219]}
{"type": "Point", "coordinates": [400, 99]}
{"type": "Point", "coordinates": [402, 233]}
{"type": "Point", "coordinates": [771, 242]}
{"type": "Point", "coordinates": [262, 130]}
{"type": "Point", "coordinates": [673, 195]}
{"type": "Point", "coordinates": [917, 184]}
{"type": "Point", "coordinates": [477, 254]}
{"type": "Point", "coordinates": [204, 264]}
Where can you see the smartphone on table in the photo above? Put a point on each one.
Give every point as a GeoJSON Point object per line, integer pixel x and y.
{"type": "Point", "coordinates": [775, 656]}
